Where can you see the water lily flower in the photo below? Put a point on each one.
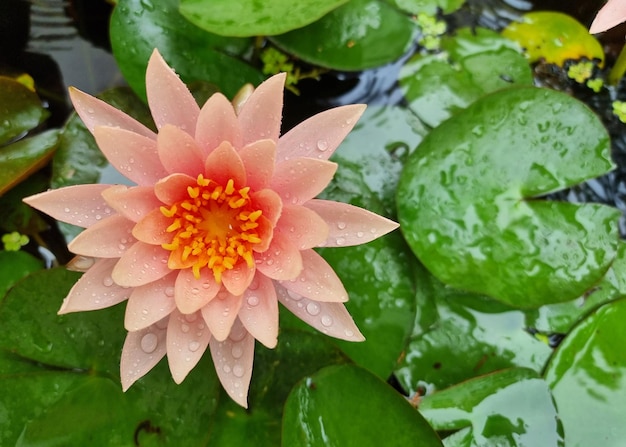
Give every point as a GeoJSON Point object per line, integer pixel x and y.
{"type": "Point", "coordinates": [611, 14]}
{"type": "Point", "coordinates": [219, 228]}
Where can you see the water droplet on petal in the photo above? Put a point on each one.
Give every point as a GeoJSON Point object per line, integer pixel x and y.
{"type": "Point", "coordinates": [253, 300]}
{"type": "Point", "coordinates": [108, 281]}
{"type": "Point", "coordinates": [341, 225]}
{"type": "Point", "coordinates": [193, 346]}
{"type": "Point", "coordinates": [226, 369]}
{"type": "Point", "coordinates": [313, 308]}
{"type": "Point", "coordinates": [348, 333]}
{"type": "Point", "coordinates": [67, 210]}
{"type": "Point", "coordinates": [237, 351]}
{"type": "Point", "coordinates": [238, 370]}
{"type": "Point", "coordinates": [327, 320]}
{"type": "Point", "coordinates": [169, 291]}
{"type": "Point", "coordinates": [340, 241]}
{"type": "Point", "coordinates": [149, 343]}
{"type": "Point", "coordinates": [184, 327]}
{"type": "Point", "coordinates": [322, 145]}
{"type": "Point", "coordinates": [195, 291]}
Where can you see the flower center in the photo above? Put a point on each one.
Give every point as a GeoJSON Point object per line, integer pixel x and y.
{"type": "Point", "coordinates": [215, 228]}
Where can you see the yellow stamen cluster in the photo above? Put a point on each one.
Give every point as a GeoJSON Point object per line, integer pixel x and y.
{"type": "Point", "coordinates": [215, 227]}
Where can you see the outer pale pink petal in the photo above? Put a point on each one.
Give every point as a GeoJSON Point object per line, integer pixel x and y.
{"type": "Point", "coordinates": [223, 164]}
{"type": "Point", "coordinates": [259, 311]}
{"type": "Point", "coordinates": [152, 228]}
{"type": "Point", "coordinates": [330, 318]}
{"type": "Point", "coordinates": [318, 281]}
{"type": "Point", "coordinates": [80, 263]}
{"type": "Point", "coordinates": [217, 123]}
{"type": "Point", "coordinates": [238, 279]}
{"type": "Point", "coordinates": [150, 303]}
{"type": "Point", "coordinates": [173, 188]}
{"type": "Point", "coordinates": [132, 203]}
{"type": "Point", "coordinates": [304, 228]}
{"type": "Point", "coordinates": [141, 264]}
{"type": "Point", "coordinates": [80, 205]}
{"type": "Point", "coordinates": [301, 179]}
{"type": "Point", "coordinates": [141, 352]}
{"type": "Point", "coordinates": [241, 97]}
{"type": "Point", "coordinates": [133, 155]}
{"type": "Point", "coordinates": [258, 159]}
{"type": "Point", "coordinates": [261, 114]}
{"type": "Point", "coordinates": [350, 225]}
{"type": "Point", "coordinates": [178, 151]}
{"type": "Point", "coordinates": [95, 112]}
{"type": "Point", "coordinates": [95, 290]}
{"type": "Point", "coordinates": [187, 339]}
{"type": "Point", "coordinates": [612, 14]}
{"type": "Point", "coordinates": [269, 202]}
{"type": "Point", "coordinates": [169, 99]}
{"type": "Point", "coordinates": [192, 294]}
{"type": "Point", "coordinates": [281, 261]}
{"type": "Point", "coordinates": [320, 135]}
{"type": "Point", "coordinates": [233, 360]}
{"type": "Point", "coordinates": [220, 313]}
{"type": "Point", "coordinates": [109, 238]}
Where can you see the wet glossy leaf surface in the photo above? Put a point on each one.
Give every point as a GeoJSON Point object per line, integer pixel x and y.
{"type": "Point", "coordinates": [360, 34]}
{"type": "Point", "coordinates": [468, 203]}
{"type": "Point", "coordinates": [251, 18]}
{"type": "Point", "coordinates": [15, 266]}
{"type": "Point", "coordinates": [587, 377]}
{"type": "Point", "coordinates": [20, 110]}
{"type": "Point", "coordinates": [430, 7]}
{"type": "Point", "coordinates": [346, 405]}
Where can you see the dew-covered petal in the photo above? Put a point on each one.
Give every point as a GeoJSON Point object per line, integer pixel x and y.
{"type": "Point", "coordinates": [142, 351]}
{"type": "Point", "coordinates": [80, 205]}
{"type": "Point", "coordinates": [80, 263]}
{"type": "Point", "coordinates": [152, 229]}
{"type": "Point", "coordinates": [237, 279]}
{"type": "Point", "coordinates": [168, 97]}
{"type": "Point", "coordinates": [132, 203]}
{"type": "Point", "coordinates": [281, 261]}
{"type": "Point", "coordinates": [258, 159]}
{"type": "Point", "coordinates": [269, 203]}
{"type": "Point", "coordinates": [95, 289]}
{"type": "Point", "coordinates": [220, 313]}
{"type": "Point", "coordinates": [303, 227]}
{"type": "Point", "coordinates": [318, 281]}
{"type": "Point", "coordinates": [350, 225]}
{"type": "Point", "coordinates": [109, 238]}
{"type": "Point", "coordinates": [233, 359]}
{"type": "Point", "coordinates": [224, 164]}
{"type": "Point", "coordinates": [301, 179]}
{"type": "Point", "coordinates": [193, 294]}
{"type": "Point", "coordinates": [612, 14]}
{"type": "Point", "coordinates": [178, 151]}
{"type": "Point", "coordinates": [329, 318]}
{"type": "Point", "coordinates": [320, 135]}
{"type": "Point", "coordinates": [261, 114]}
{"type": "Point", "coordinates": [150, 303]}
{"type": "Point", "coordinates": [217, 123]}
{"type": "Point", "coordinates": [173, 188]}
{"type": "Point", "coordinates": [95, 112]}
{"type": "Point", "coordinates": [133, 155]}
{"type": "Point", "coordinates": [259, 311]}
{"type": "Point", "coordinates": [141, 264]}
{"type": "Point", "coordinates": [187, 339]}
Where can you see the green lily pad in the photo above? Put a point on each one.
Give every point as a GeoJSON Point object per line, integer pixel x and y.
{"type": "Point", "coordinates": [251, 18]}
{"type": "Point", "coordinates": [358, 35]}
{"type": "Point", "coordinates": [346, 405]}
{"type": "Point", "coordinates": [20, 109]}
{"type": "Point", "coordinates": [475, 62]}
{"type": "Point", "coordinates": [468, 199]}
{"type": "Point", "coordinates": [554, 37]}
{"type": "Point", "coordinates": [139, 26]}
{"type": "Point", "coordinates": [508, 408]}
{"type": "Point", "coordinates": [430, 7]}
{"type": "Point", "coordinates": [587, 377]}
{"type": "Point", "coordinates": [15, 266]}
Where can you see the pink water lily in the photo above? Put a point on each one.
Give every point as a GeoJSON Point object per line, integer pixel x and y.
{"type": "Point", "coordinates": [219, 228]}
{"type": "Point", "coordinates": [612, 14]}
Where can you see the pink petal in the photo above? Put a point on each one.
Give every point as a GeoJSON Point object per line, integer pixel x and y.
{"type": "Point", "coordinates": [301, 179]}
{"type": "Point", "coordinates": [95, 289]}
{"type": "Point", "coordinates": [80, 205]}
{"type": "Point", "coordinates": [269, 202]}
{"type": "Point", "coordinates": [192, 294]}
{"type": "Point", "coordinates": [220, 314]}
{"type": "Point", "coordinates": [132, 203]}
{"type": "Point", "coordinates": [238, 279]}
{"type": "Point", "coordinates": [350, 225]}
{"type": "Point", "coordinates": [259, 312]}
{"type": "Point", "coordinates": [281, 261]}
{"type": "Point", "coordinates": [109, 238]}
{"type": "Point", "coordinates": [169, 99]}
{"type": "Point", "coordinates": [152, 228]}
{"type": "Point", "coordinates": [187, 339]}
{"type": "Point", "coordinates": [318, 281]}
{"type": "Point", "coordinates": [133, 155]}
{"type": "Point", "coordinates": [178, 151]}
{"type": "Point", "coordinates": [150, 303]}
{"type": "Point", "coordinates": [241, 97]}
{"type": "Point", "coordinates": [141, 352]}
{"type": "Point", "coordinates": [233, 360]}
{"type": "Point", "coordinates": [612, 14]}
{"type": "Point", "coordinates": [261, 114]}
{"type": "Point", "coordinates": [320, 135]}
{"type": "Point", "coordinates": [217, 123]}
{"type": "Point", "coordinates": [258, 159]}
{"type": "Point", "coordinates": [173, 188]}
{"type": "Point", "coordinates": [95, 112]}
{"type": "Point", "coordinates": [80, 263]}
{"type": "Point", "coordinates": [304, 228]}
{"type": "Point", "coordinates": [141, 264]}
{"type": "Point", "coordinates": [224, 164]}
{"type": "Point", "coordinates": [329, 318]}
